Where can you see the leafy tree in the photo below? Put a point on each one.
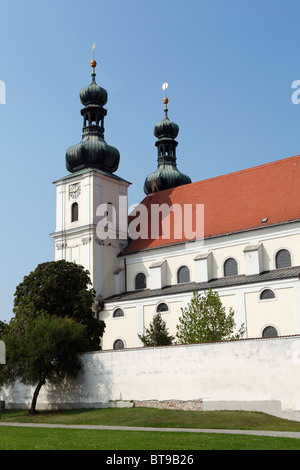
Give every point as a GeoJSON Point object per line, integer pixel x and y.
{"type": "Point", "coordinates": [62, 289]}
{"type": "Point", "coordinates": [205, 320]}
{"type": "Point", "coordinates": [53, 322]}
{"type": "Point", "coordinates": [41, 348]}
{"type": "Point", "coordinates": [3, 326]}
{"type": "Point", "coordinates": [157, 333]}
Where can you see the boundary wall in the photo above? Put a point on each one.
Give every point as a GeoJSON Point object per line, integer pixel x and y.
{"type": "Point", "coordinates": [253, 374]}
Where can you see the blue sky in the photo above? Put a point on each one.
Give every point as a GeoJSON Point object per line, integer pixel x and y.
{"type": "Point", "coordinates": [230, 65]}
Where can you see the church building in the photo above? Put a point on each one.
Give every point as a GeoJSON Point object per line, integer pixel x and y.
{"type": "Point", "coordinates": [238, 234]}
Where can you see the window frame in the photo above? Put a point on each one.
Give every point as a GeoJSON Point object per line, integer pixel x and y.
{"type": "Point", "coordinates": [270, 326]}
{"type": "Point", "coordinates": [276, 255]}
{"type": "Point", "coordinates": [74, 214]}
{"type": "Point", "coordinates": [135, 281]}
{"type": "Point", "coordinates": [178, 271]}
{"type": "Point", "coordinates": [119, 349]}
{"type": "Point", "coordinates": [268, 299]}
{"type": "Point", "coordinates": [110, 213]}
{"type": "Point", "coordinates": [162, 311]}
{"type": "Point", "coordinates": [118, 316]}
{"type": "Point", "coordinates": [237, 266]}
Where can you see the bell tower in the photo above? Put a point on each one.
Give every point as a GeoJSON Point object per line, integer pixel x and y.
{"type": "Point", "coordinates": [91, 201]}
{"type": "Point", "coordinates": [167, 174]}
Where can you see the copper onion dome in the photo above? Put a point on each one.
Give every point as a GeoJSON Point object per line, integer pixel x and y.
{"type": "Point", "coordinates": [167, 174]}
{"type": "Point", "coordinates": [93, 152]}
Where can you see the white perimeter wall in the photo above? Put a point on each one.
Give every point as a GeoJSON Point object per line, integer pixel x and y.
{"type": "Point", "coordinates": [258, 374]}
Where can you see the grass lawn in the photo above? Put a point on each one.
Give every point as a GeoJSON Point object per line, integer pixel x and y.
{"type": "Point", "coordinates": [13, 438]}
{"type": "Point", "coordinates": [68, 439]}
{"type": "Point", "coordinates": [151, 417]}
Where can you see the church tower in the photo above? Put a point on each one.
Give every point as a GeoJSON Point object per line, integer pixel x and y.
{"type": "Point", "coordinates": [91, 202]}
{"type": "Point", "coordinates": [167, 174]}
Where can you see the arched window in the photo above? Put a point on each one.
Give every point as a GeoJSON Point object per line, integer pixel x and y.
{"type": "Point", "coordinates": [183, 274]}
{"type": "Point", "coordinates": [74, 212]}
{"type": "Point", "coordinates": [162, 308]}
{"type": "Point", "coordinates": [118, 313]}
{"type": "Point", "coordinates": [140, 281]}
{"type": "Point", "coordinates": [267, 294]}
{"type": "Point", "coordinates": [111, 212]}
{"type": "Point", "coordinates": [283, 259]}
{"type": "Point", "coordinates": [230, 267]}
{"type": "Point", "coordinates": [269, 332]}
{"type": "Point", "coordinates": [118, 344]}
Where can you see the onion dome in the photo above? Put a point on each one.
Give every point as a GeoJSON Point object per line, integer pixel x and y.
{"type": "Point", "coordinates": [93, 152]}
{"type": "Point", "coordinates": [166, 128]}
{"type": "Point", "coordinates": [167, 174]}
{"type": "Point", "coordinates": [165, 178]}
{"type": "Point", "coordinates": [93, 95]}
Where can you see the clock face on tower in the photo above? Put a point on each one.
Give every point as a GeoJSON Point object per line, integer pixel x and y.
{"type": "Point", "coordinates": [74, 190]}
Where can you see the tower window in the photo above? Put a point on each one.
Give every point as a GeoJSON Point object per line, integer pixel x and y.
{"type": "Point", "coordinates": [74, 212]}
{"type": "Point", "coordinates": [283, 259]}
{"type": "Point", "coordinates": [267, 294]}
{"type": "Point", "coordinates": [140, 281]}
{"type": "Point", "coordinates": [183, 274]}
{"type": "Point", "coordinates": [110, 213]}
{"type": "Point", "coordinates": [230, 267]}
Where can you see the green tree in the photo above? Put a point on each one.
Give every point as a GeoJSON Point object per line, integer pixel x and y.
{"type": "Point", "coordinates": [62, 289]}
{"type": "Point", "coordinates": [42, 348]}
{"type": "Point", "coordinates": [3, 326]}
{"type": "Point", "coordinates": [205, 320]}
{"type": "Point", "coordinates": [157, 333]}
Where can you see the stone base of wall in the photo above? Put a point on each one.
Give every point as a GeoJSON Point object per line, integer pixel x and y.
{"type": "Point", "coordinates": [69, 406]}
{"type": "Point", "coordinates": [189, 405]}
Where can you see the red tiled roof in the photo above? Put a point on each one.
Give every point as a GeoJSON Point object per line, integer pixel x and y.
{"type": "Point", "coordinates": [234, 202]}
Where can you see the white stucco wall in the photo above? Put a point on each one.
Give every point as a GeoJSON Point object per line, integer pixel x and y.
{"type": "Point", "coordinates": [270, 240]}
{"type": "Point", "coordinates": [79, 241]}
{"type": "Point", "coordinates": [283, 312]}
{"type": "Point", "coordinates": [248, 374]}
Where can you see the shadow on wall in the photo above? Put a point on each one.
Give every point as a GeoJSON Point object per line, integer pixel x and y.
{"type": "Point", "coordinates": [92, 386]}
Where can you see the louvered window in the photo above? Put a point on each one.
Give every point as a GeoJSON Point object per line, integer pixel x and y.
{"type": "Point", "coordinates": [267, 294]}
{"type": "Point", "coordinates": [269, 332]}
{"type": "Point", "coordinates": [283, 259]}
{"type": "Point", "coordinates": [140, 281]}
{"type": "Point", "coordinates": [183, 274]}
{"type": "Point", "coordinates": [230, 267]}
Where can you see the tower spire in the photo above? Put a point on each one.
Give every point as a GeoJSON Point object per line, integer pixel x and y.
{"type": "Point", "coordinates": [93, 64]}
{"type": "Point", "coordinates": [93, 151]}
{"type": "Point", "coordinates": [167, 174]}
{"type": "Point", "coordinates": [165, 100]}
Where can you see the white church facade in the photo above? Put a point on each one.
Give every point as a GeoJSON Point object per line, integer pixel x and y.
{"type": "Point", "coordinates": [243, 237]}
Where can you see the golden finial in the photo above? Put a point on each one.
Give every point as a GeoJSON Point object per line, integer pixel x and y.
{"type": "Point", "coordinates": [165, 100]}
{"type": "Point", "coordinates": [93, 63]}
